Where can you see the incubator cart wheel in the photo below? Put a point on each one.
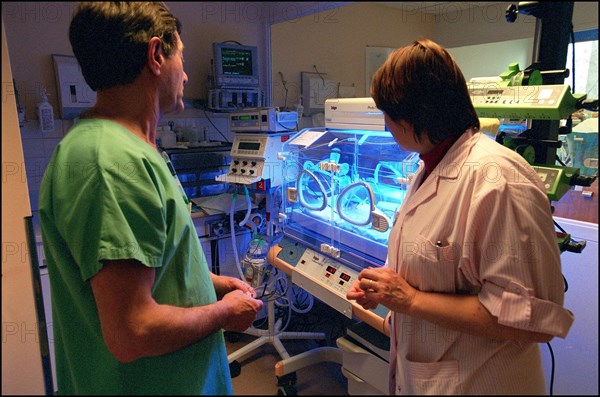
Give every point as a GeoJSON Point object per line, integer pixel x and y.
{"type": "Point", "coordinates": [285, 385]}
{"type": "Point", "coordinates": [232, 337]}
{"type": "Point", "coordinates": [287, 391]}
{"type": "Point", "coordinates": [235, 369]}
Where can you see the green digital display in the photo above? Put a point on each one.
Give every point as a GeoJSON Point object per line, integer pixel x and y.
{"type": "Point", "coordinates": [249, 146]}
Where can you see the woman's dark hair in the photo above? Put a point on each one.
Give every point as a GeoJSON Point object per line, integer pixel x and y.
{"type": "Point", "coordinates": [422, 84]}
{"type": "Point", "coordinates": [110, 39]}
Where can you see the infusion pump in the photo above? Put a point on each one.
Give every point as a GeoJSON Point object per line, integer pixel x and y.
{"type": "Point", "coordinates": [254, 158]}
{"type": "Point", "coordinates": [268, 120]}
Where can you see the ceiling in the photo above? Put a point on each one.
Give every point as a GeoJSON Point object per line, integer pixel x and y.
{"type": "Point", "coordinates": [435, 7]}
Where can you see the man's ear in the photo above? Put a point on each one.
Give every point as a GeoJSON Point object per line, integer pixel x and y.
{"type": "Point", "coordinates": [155, 55]}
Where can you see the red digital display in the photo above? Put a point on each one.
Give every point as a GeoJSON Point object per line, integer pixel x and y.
{"type": "Point", "coordinates": [345, 277]}
{"type": "Point", "coordinates": [331, 269]}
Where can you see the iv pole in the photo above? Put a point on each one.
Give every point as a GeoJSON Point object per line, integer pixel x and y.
{"type": "Point", "coordinates": [274, 335]}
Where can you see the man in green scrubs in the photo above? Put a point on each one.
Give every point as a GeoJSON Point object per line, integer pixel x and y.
{"type": "Point", "coordinates": [135, 308]}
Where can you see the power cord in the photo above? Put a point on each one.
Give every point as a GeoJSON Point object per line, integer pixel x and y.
{"type": "Point", "coordinates": [548, 343]}
{"type": "Point", "coordinates": [213, 124]}
{"type": "Point", "coordinates": [552, 370]}
{"type": "Point", "coordinates": [284, 84]}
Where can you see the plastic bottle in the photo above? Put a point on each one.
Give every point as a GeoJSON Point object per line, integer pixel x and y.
{"type": "Point", "coordinates": [157, 137]}
{"type": "Point", "coordinates": [20, 106]}
{"type": "Point", "coordinates": [45, 113]}
{"type": "Point", "coordinates": [159, 132]}
{"type": "Point", "coordinates": [255, 261]}
{"type": "Point", "coordinates": [168, 138]}
{"type": "Point", "coordinates": [179, 133]}
{"type": "Point", "coordinates": [299, 109]}
{"type": "Point", "coordinates": [191, 134]}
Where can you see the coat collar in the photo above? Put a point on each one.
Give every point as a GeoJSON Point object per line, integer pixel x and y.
{"type": "Point", "coordinates": [451, 164]}
{"type": "Point", "coordinates": [449, 167]}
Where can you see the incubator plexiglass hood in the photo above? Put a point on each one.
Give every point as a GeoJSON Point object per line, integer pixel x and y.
{"type": "Point", "coordinates": [341, 189]}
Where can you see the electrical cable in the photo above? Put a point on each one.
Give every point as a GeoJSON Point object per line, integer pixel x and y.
{"type": "Point", "coordinates": [558, 226]}
{"type": "Point", "coordinates": [286, 128]}
{"type": "Point", "coordinates": [249, 210]}
{"type": "Point", "coordinates": [284, 83]}
{"type": "Point", "coordinates": [296, 295]}
{"type": "Point", "coordinates": [282, 282]}
{"type": "Point", "coordinates": [214, 246]}
{"type": "Point", "coordinates": [564, 278]}
{"type": "Point", "coordinates": [213, 124]}
{"type": "Point", "coordinates": [319, 73]}
{"type": "Point", "coordinates": [552, 370]}
{"type": "Point", "coordinates": [236, 256]}
{"type": "Point", "coordinates": [283, 296]}
{"type": "Point", "coordinates": [231, 41]}
{"type": "Point", "coordinates": [573, 58]}
{"type": "Point", "coordinates": [289, 315]}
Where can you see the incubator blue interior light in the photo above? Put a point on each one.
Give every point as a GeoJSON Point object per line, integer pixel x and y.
{"type": "Point", "coordinates": [342, 189]}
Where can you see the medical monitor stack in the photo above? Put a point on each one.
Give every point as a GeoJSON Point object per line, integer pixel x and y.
{"type": "Point", "coordinates": [235, 78]}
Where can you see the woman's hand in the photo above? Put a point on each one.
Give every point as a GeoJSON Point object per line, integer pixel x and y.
{"type": "Point", "coordinates": [360, 296]}
{"type": "Point", "coordinates": [382, 286]}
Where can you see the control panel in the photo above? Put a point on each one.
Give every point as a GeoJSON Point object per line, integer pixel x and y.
{"type": "Point", "coordinates": [557, 180]}
{"type": "Point", "coordinates": [325, 278]}
{"type": "Point", "coordinates": [536, 102]}
{"type": "Point", "coordinates": [230, 99]}
{"type": "Point", "coordinates": [327, 271]}
{"type": "Point", "coordinates": [255, 157]}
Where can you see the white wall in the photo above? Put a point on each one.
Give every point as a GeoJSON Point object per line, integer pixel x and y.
{"type": "Point", "coordinates": [334, 41]}
{"type": "Point", "coordinates": [473, 59]}
{"type": "Point", "coordinates": [483, 43]}
{"type": "Point", "coordinates": [36, 30]}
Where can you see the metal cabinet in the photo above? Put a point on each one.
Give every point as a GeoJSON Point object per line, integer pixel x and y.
{"type": "Point", "coordinates": [198, 167]}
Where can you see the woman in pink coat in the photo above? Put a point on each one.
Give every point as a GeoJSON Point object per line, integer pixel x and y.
{"type": "Point", "coordinates": [473, 275]}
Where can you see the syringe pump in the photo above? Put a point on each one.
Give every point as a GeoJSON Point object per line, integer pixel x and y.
{"type": "Point", "coordinates": [267, 120]}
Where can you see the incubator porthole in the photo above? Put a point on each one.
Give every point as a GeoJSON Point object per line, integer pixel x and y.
{"type": "Point", "coordinates": [356, 203]}
{"type": "Point", "coordinates": [311, 192]}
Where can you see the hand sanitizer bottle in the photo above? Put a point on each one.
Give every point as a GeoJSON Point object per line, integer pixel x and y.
{"type": "Point", "coordinates": [45, 113]}
{"type": "Point", "coordinates": [299, 109]}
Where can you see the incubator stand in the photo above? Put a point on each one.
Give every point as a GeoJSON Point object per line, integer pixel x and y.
{"type": "Point", "coordinates": [341, 189]}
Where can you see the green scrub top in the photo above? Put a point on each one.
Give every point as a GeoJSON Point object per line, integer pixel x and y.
{"type": "Point", "coordinates": [108, 195]}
